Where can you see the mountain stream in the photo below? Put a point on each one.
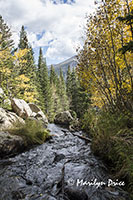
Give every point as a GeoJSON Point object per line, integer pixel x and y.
{"type": "Point", "coordinates": [63, 168]}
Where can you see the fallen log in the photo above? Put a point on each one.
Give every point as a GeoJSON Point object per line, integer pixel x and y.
{"type": "Point", "coordinates": [83, 137]}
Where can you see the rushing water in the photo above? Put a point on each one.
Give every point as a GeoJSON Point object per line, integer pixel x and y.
{"type": "Point", "coordinates": [57, 170]}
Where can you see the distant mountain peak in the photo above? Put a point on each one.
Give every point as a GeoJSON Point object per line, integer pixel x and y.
{"type": "Point", "coordinates": [69, 60]}
{"type": "Point", "coordinates": [72, 62]}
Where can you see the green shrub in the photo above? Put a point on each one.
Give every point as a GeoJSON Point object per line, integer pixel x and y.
{"type": "Point", "coordinates": [32, 131]}
{"type": "Point", "coordinates": [112, 135]}
{"type": "Point", "coordinates": [88, 120]}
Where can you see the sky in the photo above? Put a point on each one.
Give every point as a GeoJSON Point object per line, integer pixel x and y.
{"type": "Point", "coordinates": [55, 25]}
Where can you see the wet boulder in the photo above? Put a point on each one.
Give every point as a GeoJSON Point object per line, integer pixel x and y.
{"type": "Point", "coordinates": [34, 108]}
{"type": "Point", "coordinates": [37, 113]}
{"type": "Point", "coordinates": [58, 157]}
{"type": "Point", "coordinates": [74, 194]}
{"type": "Point", "coordinates": [8, 119]}
{"type": "Point", "coordinates": [40, 116]}
{"type": "Point", "coordinates": [10, 144]}
{"type": "Point", "coordinates": [63, 118]}
{"type": "Point", "coordinates": [25, 110]}
{"type": "Point", "coordinates": [21, 108]}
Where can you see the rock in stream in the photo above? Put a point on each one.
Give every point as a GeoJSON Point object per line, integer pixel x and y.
{"type": "Point", "coordinates": [63, 168]}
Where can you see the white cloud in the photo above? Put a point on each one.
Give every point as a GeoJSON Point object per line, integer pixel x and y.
{"type": "Point", "coordinates": [61, 23]}
{"type": "Point", "coordinates": [45, 39]}
{"type": "Point", "coordinates": [59, 47]}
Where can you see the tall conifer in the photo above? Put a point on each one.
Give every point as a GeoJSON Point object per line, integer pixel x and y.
{"type": "Point", "coordinates": [62, 92]}
{"type": "Point", "coordinates": [68, 82]}
{"type": "Point", "coordinates": [44, 82]}
{"type": "Point", "coordinates": [29, 69]}
{"type": "Point", "coordinates": [5, 36]}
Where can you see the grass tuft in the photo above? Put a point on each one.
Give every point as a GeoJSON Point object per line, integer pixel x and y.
{"type": "Point", "coordinates": [32, 131]}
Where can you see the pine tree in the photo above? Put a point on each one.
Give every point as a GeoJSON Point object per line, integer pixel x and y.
{"type": "Point", "coordinates": [55, 88]}
{"type": "Point", "coordinates": [29, 69]}
{"type": "Point", "coordinates": [12, 80]}
{"type": "Point", "coordinates": [83, 102]}
{"type": "Point", "coordinates": [38, 81]}
{"type": "Point", "coordinates": [23, 42]}
{"type": "Point", "coordinates": [78, 97]}
{"type": "Point", "coordinates": [62, 92]}
{"type": "Point", "coordinates": [5, 36]}
{"type": "Point", "coordinates": [56, 105]}
{"type": "Point", "coordinates": [6, 59]}
{"type": "Point", "coordinates": [44, 89]}
{"type": "Point", "coordinates": [53, 76]}
{"type": "Point", "coordinates": [68, 82]}
{"type": "Point", "coordinates": [74, 92]}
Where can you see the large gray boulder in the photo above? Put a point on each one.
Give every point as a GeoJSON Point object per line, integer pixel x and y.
{"type": "Point", "coordinates": [34, 108]}
{"type": "Point", "coordinates": [21, 108]}
{"type": "Point", "coordinates": [8, 119]}
{"type": "Point", "coordinates": [40, 116]}
{"type": "Point", "coordinates": [63, 118]}
{"type": "Point", "coordinates": [75, 194]}
{"type": "Point", "coordinates": [10, 144]}
{"type": "Point", "coordinates": [25, 110]}
{"type": "Point", "coordinates": [37, 113]}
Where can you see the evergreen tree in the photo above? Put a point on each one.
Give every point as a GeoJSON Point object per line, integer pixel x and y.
{"type": "Point", "coordinates": [29, 69]}
{"type": "Point", "coordinates": [40, 60]}
{"type": "Point", "coordinates": [12, 80]}
{"type": "Point", "coordinates": [53, 76]}
{"type": "Point", "coordinates": [56, 105]}
{"type": "Point", "coordinates": [68, 82]}
{"type": "Point", "coordinates": [62, 92]}
{"type": "Point", "coordinates": [6, 60]}
{"type": "Point", "coordinates": [5, 36]}
{"type": "Point", "coordinates": [55, 89]}
{"type": "Point", "coordinates": [23, 42]}
{"type": "Point", "coordinates": [31, 63]}
{"type": "Point", "coordinates": [44, 82]}
{"type": "Point", "coordinates": [78, 97]}
{"type": "Point", "coordinates": [38, 81]}
{"type": "Point", "coordinates": [83, 102]}
{"type": "Point", "coordinates": [74, 92]}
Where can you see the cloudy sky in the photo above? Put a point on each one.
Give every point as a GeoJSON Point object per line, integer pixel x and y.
{"type": "Point", "coordinates": [54, 25]}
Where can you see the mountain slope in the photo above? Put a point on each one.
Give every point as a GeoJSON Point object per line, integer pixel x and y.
{"type": "Point", "coordinates": [72, 62]}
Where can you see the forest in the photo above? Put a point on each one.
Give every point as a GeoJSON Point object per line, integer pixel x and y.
{"type": "Point", "coordinates": [20, 77]}
{"type": "Point", "coordinates": [99, 92]}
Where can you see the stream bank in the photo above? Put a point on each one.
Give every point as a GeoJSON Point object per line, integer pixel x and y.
{"type": "Point", "coordinates": [63, 168]}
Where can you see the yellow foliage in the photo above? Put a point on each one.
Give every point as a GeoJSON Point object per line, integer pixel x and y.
{"type": "Point", "coordinates": [19, 85]}
{"type": "Point", "coordinates": [20, 54]}
{"type": "Point", "coordinates": [22, 78]}
{"type": "Point", "coordinates": [30, 96]}
{"type": "Point", "coordinates": [102, 68]}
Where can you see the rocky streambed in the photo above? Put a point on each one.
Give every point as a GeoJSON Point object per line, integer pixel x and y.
{"type": "Point", "coordinates": [63, 168]}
